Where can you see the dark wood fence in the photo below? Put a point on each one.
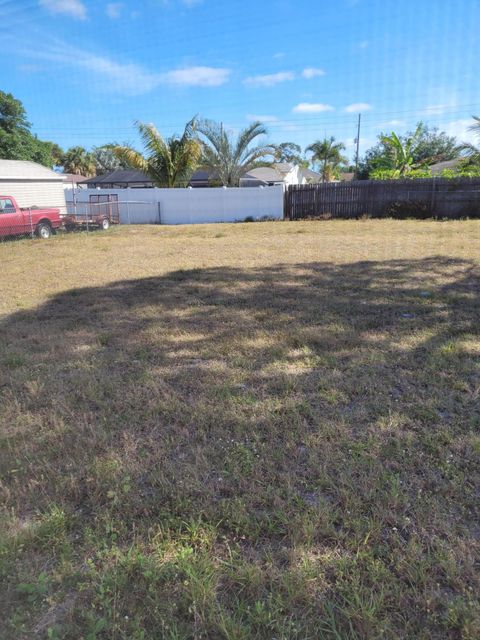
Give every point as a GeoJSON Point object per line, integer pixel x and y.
{"type": "Point", "coordinates": [426, 198]}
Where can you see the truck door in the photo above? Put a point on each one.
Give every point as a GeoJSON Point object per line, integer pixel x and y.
{"type": "Point", "coordinates": [11, 218]}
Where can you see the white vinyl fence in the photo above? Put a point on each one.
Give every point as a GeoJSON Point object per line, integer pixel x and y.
{"type": "Point", "coordinates": [188, 206]}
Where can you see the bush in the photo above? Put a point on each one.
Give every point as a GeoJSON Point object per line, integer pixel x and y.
{"type": "Point", "coordinates": [403, 209]}
{"type": "Point", "coordinates": [393, 174]}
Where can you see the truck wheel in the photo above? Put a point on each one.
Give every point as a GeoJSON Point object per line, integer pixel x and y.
{"type": "Point", "coordinates": [105, 224]}
{"type": "Point", "coordinates": [44, 231]}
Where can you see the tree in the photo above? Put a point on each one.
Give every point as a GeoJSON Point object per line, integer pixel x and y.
{"type": "Point", "coordinates": [106, 160]}
{"type": "Point", "coordinates": [16, 140]}
{"type": "Point", "coordinates": [79, 161]}
{"type": "Point", "coordinates": [399, 152]}
{"type": "Point", "coordinates": [433, 145]}
{"type": "Point", "coordinates": [57, 154]}
{"type": "Point", "coordinates": [289, 152]}
{"type": "Point", "coordinates": [168, 162]}
{"type": "Point", "coordinates": [471, 151]}
{"type": "Point", "coordinates": [231, 158]}
{"type": "Point", "coordinates": [13, 117]}
{"type": "Point", "coordinates": [328, 154]}
{"type": "Point", "coordinates": [430, 146]}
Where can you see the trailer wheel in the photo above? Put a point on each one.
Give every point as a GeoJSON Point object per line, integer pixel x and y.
{"type": "Point", "coordinates": [105, 224]}
{"type": "Point", "coordinates": [44, 231]}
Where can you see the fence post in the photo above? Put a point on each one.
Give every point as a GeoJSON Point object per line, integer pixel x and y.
{"type": "Point", "coordinates": [31, 222]}
{"type": "Point", "coordinates": [432, 201]}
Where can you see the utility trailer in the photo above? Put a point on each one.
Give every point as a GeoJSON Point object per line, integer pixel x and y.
{"type": "Point", "coordinates": [100, 212]}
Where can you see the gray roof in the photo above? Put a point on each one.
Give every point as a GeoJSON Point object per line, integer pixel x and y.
{"type": "Point", "coordinates": [438, 167]}
{"type": "Point", "coordinates": [203, 176]}
{"type": "Point", "coordinates": [119, 176]}
{"type": "Point", "coordinates": [26, 170]}
{"type": "Point", "coordinates": [264, 174]}
{"type": "Point", "coordinates": [310, 175]}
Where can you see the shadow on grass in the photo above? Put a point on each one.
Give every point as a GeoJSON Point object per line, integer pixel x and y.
{"type": "Point", "coordinates": [315, 422]}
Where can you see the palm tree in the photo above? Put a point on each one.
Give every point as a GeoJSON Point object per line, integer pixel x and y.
{"type": "Point", "coordinates": [228, 158]}
{"type": "Point", "coordinates": [472, 152]}
{"type": "Point", "coordinates": [328, 154]}
{"type": "Point", "coordinates": [79, 161]}
{"type": "Point", "coordinates": [401, 152]}
{"type": "Point", "coordinates": [168, 162]}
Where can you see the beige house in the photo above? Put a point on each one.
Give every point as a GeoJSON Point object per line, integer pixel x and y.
{"type": "Point", "coordinates": [31, 184]}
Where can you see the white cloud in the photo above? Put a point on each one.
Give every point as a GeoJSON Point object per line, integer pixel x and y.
{"type": "Point", "coordinates": [312, 107]}
{"type": "Point", "coordinates": [114, 9]}
{"type": "Point", "coordinates": [363, 44]}
{"type": "Point", "coordinates": [358, 107]}
{"type": "Point", "coordinates": [277, 56]}
{"type": "Point", "coordinates": [254, 118]}
{"type": "Point", "coordinates": [74, 8]}
{"type": "Point", "coordinates": [460, 129]}
{"type": "Point", "coordinates": [198, 76]}
{"type": "Point", "coordinates": [191, 3]}
{"type": "Point", "coordinates": [127, 78]}
{"type": "Point", "coordinates": [312, 72]}
{"type": "Point", "coordinates": [269, 80]}
{"type": "Point", "coordinates": [395, 123]}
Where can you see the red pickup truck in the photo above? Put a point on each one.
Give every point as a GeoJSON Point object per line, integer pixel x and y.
{"type": "Point", "coordinates": [16, 221]}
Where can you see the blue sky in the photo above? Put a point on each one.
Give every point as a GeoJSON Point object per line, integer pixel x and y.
{"type": "Point", "coordinates": [85, 70]}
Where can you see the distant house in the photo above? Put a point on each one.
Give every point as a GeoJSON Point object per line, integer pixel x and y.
{"type": "Point", "coordinates": [438, 167]}
{"type": "Point", "coordinates": [280, 173]}
{"type": "Point", "coordinates": [311, 177]}
{"type": "Point", "coordinates": [203, 178]}
{"type": "Point", "coordinates": [73, 181]}
{"type": "Point", "coordinates": [119, 179]}
{"type": "Point", "coordinates": [31, 184]}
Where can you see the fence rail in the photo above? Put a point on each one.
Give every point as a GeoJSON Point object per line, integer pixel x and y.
{"type": "Point", "coordinates": [431, 197]}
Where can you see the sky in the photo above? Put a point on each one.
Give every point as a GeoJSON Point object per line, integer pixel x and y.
{"type": "Point", "coordinates": [87, 69]}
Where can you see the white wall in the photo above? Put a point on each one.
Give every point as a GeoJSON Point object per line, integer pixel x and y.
{"type": "Point", "coordinates": [190, 206]}
{"type": "Point", "coordinates": [28, 193]}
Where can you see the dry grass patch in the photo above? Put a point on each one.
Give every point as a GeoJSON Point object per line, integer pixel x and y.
{"type": "Point", "coordinates": [262, 435]}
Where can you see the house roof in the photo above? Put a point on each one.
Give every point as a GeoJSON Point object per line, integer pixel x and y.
{"type": "Point", "coordinates": [72, 177]}
{"type": "Point", "coordinates": [264, 174]}
{"type": "Point", "coordinates": [311, 175]}
{"type": "Point", "coordinates": [203, 175]}
{"type": "Point", "coordinates": [438, 167]}
{"type": "Point", "coordinates": [119, 176]}
{"type": "Point", "coordinates": [26, 170]}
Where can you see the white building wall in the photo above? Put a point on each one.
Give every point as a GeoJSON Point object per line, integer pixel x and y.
{"type": "Point", "coordinates": [190, 206]}
{"type": "Point", "coordinates": [30, 193]}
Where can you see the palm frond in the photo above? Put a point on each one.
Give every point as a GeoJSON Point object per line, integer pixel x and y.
{"type": "Point", "coordinates": [230, 158]}
{"type": "Point", "coordinates": [131, 157]}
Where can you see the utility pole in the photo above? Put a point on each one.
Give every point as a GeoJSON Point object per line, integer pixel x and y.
{"type": "Point", "coordinates": [358, 145]}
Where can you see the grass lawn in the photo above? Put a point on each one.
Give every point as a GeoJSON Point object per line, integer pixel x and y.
{"type": "Point", "coordinates": [241, 431]}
